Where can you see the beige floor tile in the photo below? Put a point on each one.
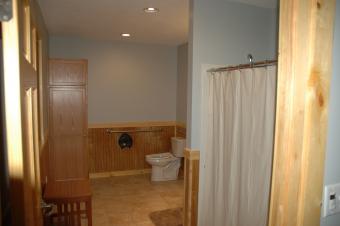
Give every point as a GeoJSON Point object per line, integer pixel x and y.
{"type": "Point", "coordinates": [128, 200]}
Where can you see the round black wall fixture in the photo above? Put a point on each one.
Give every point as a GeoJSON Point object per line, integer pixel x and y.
{"type": "Point", "coordinates": [125, 141]}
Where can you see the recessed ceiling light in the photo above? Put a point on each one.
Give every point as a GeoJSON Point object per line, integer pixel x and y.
{"type": "Point", "coordinates": [126, 35]}
{"type": "Point", "coordinates": [151, 10]}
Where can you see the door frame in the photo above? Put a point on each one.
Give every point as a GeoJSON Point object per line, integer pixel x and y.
{"type": "Point", "coordinates": [304, 72]}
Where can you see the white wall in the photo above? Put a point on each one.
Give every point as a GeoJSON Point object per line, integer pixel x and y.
{"type": "Point", "coordinates": [126, 82]}
{"type": "Point", "coordinates": [182, 83]}
{"type": "Point", "coordinates": [332, 165]}
{"type": "Point", "coordinates": [223, 33]}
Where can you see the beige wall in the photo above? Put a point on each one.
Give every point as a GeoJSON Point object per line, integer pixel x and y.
{"type": "Point", "coordinates": [126, 82]}
{"type": "Point", "coordinates": [182, 79]}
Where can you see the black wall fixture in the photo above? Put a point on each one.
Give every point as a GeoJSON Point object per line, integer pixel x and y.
{"type": "Point", "coordinates": [125, 141]}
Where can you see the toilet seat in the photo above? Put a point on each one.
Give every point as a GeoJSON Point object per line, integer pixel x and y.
{"type": "Point", "coordinates": [166, 155]}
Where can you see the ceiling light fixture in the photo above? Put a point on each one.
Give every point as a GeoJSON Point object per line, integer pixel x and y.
{"type": "Point", "coordinates": [151, 10]}
{"type": "Point", "coordinates": [126, 35]}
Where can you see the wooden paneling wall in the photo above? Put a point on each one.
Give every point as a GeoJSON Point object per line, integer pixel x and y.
{"type": "Point", "coordinates": [181, 130]}
{"type": "Point", "coordinates": [107, 156]}
{"type": "Point", "coordinates": [191, 183]}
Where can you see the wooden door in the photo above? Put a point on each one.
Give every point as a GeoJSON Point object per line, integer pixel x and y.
{"type": "Point", "coordinates": [32, 190]}
{"type": "Point", "coordinates": [21, 118]}
{"type": "Point", "coordinates": [68, 120]}
{"type": "Point", "coordinates": [68, 129]}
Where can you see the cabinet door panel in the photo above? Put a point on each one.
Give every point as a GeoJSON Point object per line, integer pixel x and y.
{"type": "Point", "coordinates": [68, 72]}
{"type": "Point", "coordinates": [69, 158]}
{"type": "Point", "coordinates": [68, 123]}
{"type": "Point", "coordinates": [68, 111]}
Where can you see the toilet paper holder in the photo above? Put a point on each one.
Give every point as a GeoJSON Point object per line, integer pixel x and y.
{"type": "Point", "coordinates": [125, 141]}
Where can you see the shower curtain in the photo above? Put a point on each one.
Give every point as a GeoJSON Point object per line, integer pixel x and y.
{"type": "Point", "coordinates": [238, 144]}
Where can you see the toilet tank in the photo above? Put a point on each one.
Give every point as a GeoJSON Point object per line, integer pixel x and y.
{"type": "Point", "coordinates": [177, 146]}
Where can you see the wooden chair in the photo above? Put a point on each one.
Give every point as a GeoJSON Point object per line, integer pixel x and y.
{"type": "Point", "coordinates": [72, 200]}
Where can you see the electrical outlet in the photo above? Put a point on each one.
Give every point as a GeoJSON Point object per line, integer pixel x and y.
{"type": "Point", "coordinates": [331, 200]}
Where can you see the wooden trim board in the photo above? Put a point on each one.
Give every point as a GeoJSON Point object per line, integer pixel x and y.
{"type": "Point", "coordinates": [132, 124]}
{"type": "Point", "coordinates": [181, 124]}
{"type": "Point", "coordinates": [304, 71]}
{"type": "Point", "coordinates": [191, 184]}
{"type": "Point", "coordinates": [119, 173]}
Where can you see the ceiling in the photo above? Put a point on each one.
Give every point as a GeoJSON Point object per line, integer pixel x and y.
{"type": "Point", "coordinates": [108, 19]}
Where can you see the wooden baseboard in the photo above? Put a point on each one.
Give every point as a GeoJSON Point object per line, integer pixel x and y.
{"type": "Point", "coordinates": [119, 173]}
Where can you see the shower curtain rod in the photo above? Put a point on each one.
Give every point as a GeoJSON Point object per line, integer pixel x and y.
{"type": "Point", "coordinates": [244, 66]}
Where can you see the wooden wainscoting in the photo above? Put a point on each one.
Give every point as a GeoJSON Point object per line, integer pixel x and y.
{"type": "Point", "coordinates": [181, 130]}
{"type": "Point", "coordinates": [107, 157]}
{"type": "Point", "coordinates": [191, 182]}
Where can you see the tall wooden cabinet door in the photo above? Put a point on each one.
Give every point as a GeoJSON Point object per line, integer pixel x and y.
{"type": "Point", "coordinates": [68, 72]}
{"type": "Point", "coordinates": [68, 122]}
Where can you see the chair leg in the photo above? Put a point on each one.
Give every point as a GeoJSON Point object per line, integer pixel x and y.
{"type": "Point", "coordinates": [89, 212]}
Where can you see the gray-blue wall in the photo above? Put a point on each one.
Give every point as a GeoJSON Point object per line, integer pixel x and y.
{"type": "Point", "coordinates": [182, 83]}
{"type": "Point", "coordinates": [127, 82]}
{"type": "Point", "coordinates": [223, 33]}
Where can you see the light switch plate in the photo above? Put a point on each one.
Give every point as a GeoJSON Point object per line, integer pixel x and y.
{"type": "Point", "coordinates": [331, 200]}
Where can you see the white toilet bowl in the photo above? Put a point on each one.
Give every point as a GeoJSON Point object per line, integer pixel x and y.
{"type": "Point", "coordinates": [165, 166]}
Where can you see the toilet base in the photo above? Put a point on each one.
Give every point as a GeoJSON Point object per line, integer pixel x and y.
{"type": "Point", "coordinates": [166, 173]}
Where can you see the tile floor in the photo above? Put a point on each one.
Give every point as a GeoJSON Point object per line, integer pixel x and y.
{"type": "Point", "coordinates": [128, 200]}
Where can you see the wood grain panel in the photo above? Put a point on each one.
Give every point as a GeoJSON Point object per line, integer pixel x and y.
{"type": "Point", "coordinates": [68, 157]}
{"type": "Point", "coordinates": [68, 72]}
{"type": "Point", "coordinates": [181, 131]}
{"type": "Point", "coordinates": [191, 183]}
{"type": "Point", "coordinates": [20, 94]}
{"type": "Point", "coordinates": [106, 155]}
{"type": "Point", "coordinates": [68, 111]}
{"type": "Point", "coordinates": [69, 160]}
{"type": "Point", "coordinates": [304, 71]}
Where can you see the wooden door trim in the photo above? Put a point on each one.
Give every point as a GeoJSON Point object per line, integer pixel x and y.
{"type": "Point", "coordinates": [304, 71]}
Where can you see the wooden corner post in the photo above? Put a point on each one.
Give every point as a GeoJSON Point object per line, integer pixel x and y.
{"type": "Point", "coordinates": [191, 183]}
{"type": "Point", "coordinates": [304, 72]}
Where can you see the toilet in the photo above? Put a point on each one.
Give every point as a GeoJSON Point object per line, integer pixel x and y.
{"type": "Point", "coordinates": [165, 166]}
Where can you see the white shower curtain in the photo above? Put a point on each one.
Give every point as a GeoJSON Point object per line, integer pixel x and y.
{"type": "Point", "coordinates": [240, 134]}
